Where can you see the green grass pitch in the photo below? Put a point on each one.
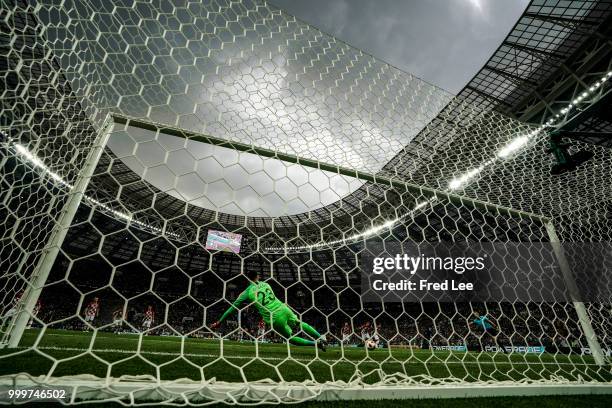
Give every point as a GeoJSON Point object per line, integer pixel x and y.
{"type": "Point", "coordinates": [106, 354]}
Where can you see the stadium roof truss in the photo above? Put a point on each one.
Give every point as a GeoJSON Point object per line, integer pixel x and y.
{"type": "Point", "coordinates": [540, 74]}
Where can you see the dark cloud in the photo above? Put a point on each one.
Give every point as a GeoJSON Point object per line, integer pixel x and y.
{"type": "Point", "coordinates": [444, 42]}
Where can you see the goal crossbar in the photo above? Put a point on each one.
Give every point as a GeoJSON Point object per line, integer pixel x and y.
{"type": "Point", "coordinates": [294, 159]}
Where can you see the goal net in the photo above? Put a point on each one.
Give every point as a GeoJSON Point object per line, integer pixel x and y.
{"type": "Point", "coordinates": [161, 161]}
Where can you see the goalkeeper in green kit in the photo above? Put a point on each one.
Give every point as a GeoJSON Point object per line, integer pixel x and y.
{"type": "Point", "coordinates": [274, 312]}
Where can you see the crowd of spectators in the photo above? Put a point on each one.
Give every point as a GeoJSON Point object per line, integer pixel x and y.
{"type": "Point", "coordinates": [428, 325]}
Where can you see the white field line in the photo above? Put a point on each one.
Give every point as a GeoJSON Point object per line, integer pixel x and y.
{"type": "Point", "coordinates": [288, 358]}
{"type": "Point", "coordinates": [149, 339]}
{"type": "Point", "coordinates": [228, 344]}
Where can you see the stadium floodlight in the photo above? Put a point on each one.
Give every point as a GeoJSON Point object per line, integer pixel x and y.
{"type": "Point", "coordinates": [465, 178]}
{"type": "Point", "coordinates": [520, 142]}
{"type": "Point", "coordinates": [513, 146]}
{"type": "Point", "coordinates": [38, 163]}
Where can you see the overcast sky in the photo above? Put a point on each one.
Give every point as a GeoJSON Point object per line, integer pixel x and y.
{"type": "Point", "coordinates": [444, 42]}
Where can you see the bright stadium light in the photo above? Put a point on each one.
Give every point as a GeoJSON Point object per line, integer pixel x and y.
{"type": "Point", "coordinates": [465, 178]}
{"type": "Point", "coordinates": [520, 142]}
{"type": "Point", "coordinates": [38, 163]}
{"type": "Point", "coordinates": [513, 146]}
{"type": "Point", "coordinates": [387, 225]}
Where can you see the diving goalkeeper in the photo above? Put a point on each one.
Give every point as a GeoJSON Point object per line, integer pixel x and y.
{"type": "Point", "coordinates": [274, 312]}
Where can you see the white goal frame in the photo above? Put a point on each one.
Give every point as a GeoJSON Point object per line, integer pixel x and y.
{"type": "Point", "coordinates": [147, 388]}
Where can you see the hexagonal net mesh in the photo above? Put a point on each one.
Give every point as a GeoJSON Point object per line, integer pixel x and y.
{"type": "Point", "coordinates": [156, 154]}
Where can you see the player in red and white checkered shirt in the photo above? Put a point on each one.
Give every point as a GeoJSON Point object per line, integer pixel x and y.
{"type": "Point", "coordinates": [261, 330]}
{"type": "Point", "coordinates": [346, 333]}
{"type": "Point", "coordinates": [35, 312]}
{"type": "Point", "coordinates": [91, 311]}
{"type": "Point", "coordinates": [149, 318]}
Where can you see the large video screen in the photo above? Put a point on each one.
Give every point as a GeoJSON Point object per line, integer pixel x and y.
{"type": "Point", "coordinates": [223, 241]}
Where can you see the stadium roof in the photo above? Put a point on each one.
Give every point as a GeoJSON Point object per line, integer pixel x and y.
{"type": "Point", "coordinates": [550, 39]}
{"type": "Point", "coordinates": [554, 54]}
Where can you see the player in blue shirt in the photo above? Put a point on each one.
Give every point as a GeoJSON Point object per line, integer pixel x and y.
{"type": "Point", "coordinates": [486, 326]}
{"type": "Point", "coordinates": [483, 322]}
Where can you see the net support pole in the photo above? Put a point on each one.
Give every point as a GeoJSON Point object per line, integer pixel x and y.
{"type": "Point", "coordinates": [32, 292]}
{"type": "Point", "coordinates": [583, 316]}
